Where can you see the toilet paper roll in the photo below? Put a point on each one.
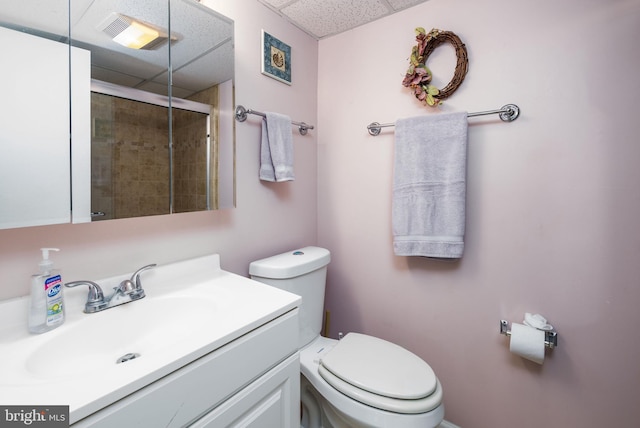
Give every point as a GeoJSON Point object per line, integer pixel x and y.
{"type": "Point", "coordinates": [527, 342]}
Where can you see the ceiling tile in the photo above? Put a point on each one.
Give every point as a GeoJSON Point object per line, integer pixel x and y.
{"type": "Point", "coordinates": [403, 4]}
{"type": "Point", "coordinates": [325, 17]}
{"type": "Point", "coordinates": [276, 3]}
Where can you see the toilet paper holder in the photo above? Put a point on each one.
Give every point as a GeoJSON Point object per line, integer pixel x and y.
{"type": "Point", "coordinates": [550, 337]}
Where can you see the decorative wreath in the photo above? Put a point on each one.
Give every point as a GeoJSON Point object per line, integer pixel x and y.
{"type": "Point", "coordinates": [419, 76]}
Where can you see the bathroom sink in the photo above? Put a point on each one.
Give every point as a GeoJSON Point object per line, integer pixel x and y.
{"type": "Point", "coordinates": [191, 308]}
{"type": "Point", "coordinates": [137, 329]}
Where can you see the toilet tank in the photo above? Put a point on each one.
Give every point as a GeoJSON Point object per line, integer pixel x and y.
{"type": "Point", "coordinates": [302, 272]}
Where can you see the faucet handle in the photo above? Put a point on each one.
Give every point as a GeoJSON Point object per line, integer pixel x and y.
{"type": "Point", "coordinates": [95, 299]}
{"type": "Point", "coordinates": [126, 287]}
{"type": "Point", "coordinates": [135, 278]}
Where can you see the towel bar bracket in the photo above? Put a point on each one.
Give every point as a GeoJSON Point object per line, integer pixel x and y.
{"type": "Point", "coordinates": [550, 337]}
{"type": "Point", "coordinates": [303, 128]}
{"type": "Point", "coordinates": [241, 114]}
{"type": "Point", "coordinates": [374, 128]}
{"type": "Point", "coordinates": [512, 113]}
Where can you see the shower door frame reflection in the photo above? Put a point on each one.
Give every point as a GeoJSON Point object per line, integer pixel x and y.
{"type": "Point", "coordinates": [103, 133]}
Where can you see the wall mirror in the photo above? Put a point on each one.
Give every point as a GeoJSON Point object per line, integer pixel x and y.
{"type": "Point", "coordinates": [152, 128]}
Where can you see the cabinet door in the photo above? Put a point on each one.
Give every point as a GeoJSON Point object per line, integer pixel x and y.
{"type": "Point", "coordinates": [34, 117]}
{"type": "Point", "coordinates": [272, 401]}
{"type": "Point", "coordinates": [35, 166]}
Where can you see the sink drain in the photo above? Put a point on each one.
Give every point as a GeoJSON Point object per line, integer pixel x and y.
{"type": "Point", "coordinates": [127, 357]}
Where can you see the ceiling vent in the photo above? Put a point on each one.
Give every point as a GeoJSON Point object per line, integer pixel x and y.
{"type": "Point", "coordinates": [132, 33]}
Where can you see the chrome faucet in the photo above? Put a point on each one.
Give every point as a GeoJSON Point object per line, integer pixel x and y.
{"type": "Point", "coordinates": [128, 291]}
{"type": "Point", "coordinates": [138, 291]}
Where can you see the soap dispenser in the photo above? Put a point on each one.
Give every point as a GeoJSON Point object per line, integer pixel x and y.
{"type": "Point", "coordinates": [46, 306]}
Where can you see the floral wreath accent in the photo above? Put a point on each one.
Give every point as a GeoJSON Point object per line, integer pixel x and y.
{"type": "Point", "coordinates": [419, 76]}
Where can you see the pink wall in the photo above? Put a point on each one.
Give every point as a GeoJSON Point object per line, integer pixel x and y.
{"type": "Point", "coordinates": [553, 206]}
{"type": "Point", "coordinates": [269, 218]}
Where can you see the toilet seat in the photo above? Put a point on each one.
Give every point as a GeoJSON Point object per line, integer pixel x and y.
{"type": "Point", "coordinates": [381, 374]}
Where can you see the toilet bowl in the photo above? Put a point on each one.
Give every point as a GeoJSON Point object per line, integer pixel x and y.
{"type": "Point", "coordinates": [360, 380]}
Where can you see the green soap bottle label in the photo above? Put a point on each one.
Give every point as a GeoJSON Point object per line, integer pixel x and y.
{"type": "Point", "coordinates": [53, 288]}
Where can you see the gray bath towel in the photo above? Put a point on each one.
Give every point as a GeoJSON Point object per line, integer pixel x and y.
{"type": "Point", "coordinates": [429, 186]}
{"type": "Point", "coordinates": [276, 149]}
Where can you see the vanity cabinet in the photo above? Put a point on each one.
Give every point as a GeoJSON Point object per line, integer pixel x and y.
{"type": "Point", "coordinates": [267, 402]}
{"type": "Point", "coordinates": [252, 381]}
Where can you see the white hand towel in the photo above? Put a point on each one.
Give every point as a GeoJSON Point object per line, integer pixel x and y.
{"type": "Point", "coordinates": [276, 149]}
{"type": "Point", "coordinates": [429, 186]}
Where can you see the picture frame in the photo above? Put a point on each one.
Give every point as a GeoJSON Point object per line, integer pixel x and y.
{"type": "Point", "coordinates": [276, 58]}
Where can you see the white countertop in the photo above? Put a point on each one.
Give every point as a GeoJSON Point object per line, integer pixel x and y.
{"type": "Point", "coordinates": [191, 308]}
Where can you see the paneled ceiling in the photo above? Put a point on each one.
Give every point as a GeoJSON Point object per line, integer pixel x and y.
{"type": "Point", "coordinates": [324, 18]}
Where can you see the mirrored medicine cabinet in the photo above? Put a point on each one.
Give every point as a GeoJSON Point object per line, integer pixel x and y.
{"type": "Point", "coordinates": [114, 109]}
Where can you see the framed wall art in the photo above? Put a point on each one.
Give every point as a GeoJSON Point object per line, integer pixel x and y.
{"type": "Point", "coordinates": [276, 58]}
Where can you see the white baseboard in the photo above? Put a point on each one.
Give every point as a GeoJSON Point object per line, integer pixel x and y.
{"type": "Point", "coordinates": [445, 424]}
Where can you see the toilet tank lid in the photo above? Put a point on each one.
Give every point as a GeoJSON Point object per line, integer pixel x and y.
{"type": "Point", "coordinates": [291, 264]}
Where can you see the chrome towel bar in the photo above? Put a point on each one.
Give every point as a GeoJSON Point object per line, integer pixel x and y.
{"type": "Point", "coordinates": [508, 113]}
{"type": "Point", "coordinates": [241, 116]}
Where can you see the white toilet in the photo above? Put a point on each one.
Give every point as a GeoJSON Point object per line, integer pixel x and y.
{"type": "Point", "coordinates": [360, 380]}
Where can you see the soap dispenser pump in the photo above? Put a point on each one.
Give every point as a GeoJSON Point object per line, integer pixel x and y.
{"type": "Point", "coordinates": [46, 306]}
